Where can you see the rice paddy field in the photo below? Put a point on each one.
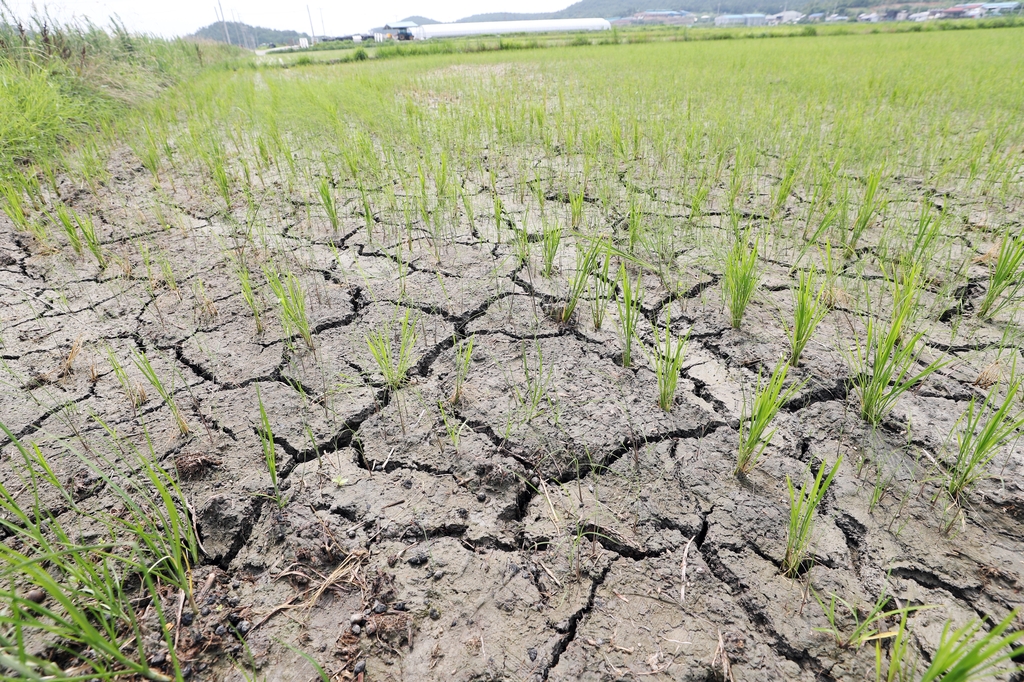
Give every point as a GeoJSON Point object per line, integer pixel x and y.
{"type": "Point", "coordinates": [667, 361]}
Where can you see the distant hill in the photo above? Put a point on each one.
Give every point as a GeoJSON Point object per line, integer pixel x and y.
{"type": "Point", "coordinates": [248, 36]}
{"type": "Point", "coordinates": [421, 21]}
{"type": "Point", "coordinates": [624, 8]}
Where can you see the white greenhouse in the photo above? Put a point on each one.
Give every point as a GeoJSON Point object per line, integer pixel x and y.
{"type": "Point", "coordinates": [482, 28]}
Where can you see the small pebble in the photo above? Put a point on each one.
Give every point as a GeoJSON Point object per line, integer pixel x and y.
{"type": "Point", "coordinates": [481, 496]}
{"type": "Point", "coordinates": [186, 672]}
{"type": "Point", "coordinates": [371, 629]}
{"type": "Point", "coordinates": [356, 618]}
{"type": "Point", "coordinates": [205, 611]}
{"type": "Point", "coordinates": [379, 607]}
{"type": "Point", "coordinates": [235, 584]}
{"type": "Point", "coordinates": [36, 595]}
{"type": "Point", "coordinates": [356, 629]}
{"type": "Point", "coordinates": [220, 631]}
{"type": "Point", "coordinates": [407, 483]}
{"type": "Point", "coordinates": [158, 658]}
{"type": "Point", "coordinates": [244, 627]}
{"type": "Point", "coordinates": [400, 606]}
{"type": "Point", "coordinates": [234, 618]}
{"type": "Point", "coordinates": [186, 618]}
{"type": "Point", "coordinates": [434, 614]}
{"type": "Point", "coordinates": [438, 575]}
{"type": "Point", "coordinates": [417, 559]}
{"type": "Point", "coordinates": [232, 600]}
{"type": "Point", "coordinates": [532, 653]}
{"type": "Point", "coordinates": [351, 533]}
{"type": "Point", "coordinates": [360, 667]}
{"type": "Point", "coordinates": [535, 481]}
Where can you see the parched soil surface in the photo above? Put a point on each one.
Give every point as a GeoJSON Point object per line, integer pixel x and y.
{"type": "Point", "coordinates": [586, 534]}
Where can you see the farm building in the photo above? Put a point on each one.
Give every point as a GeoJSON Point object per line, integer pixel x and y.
{"type": "Point", "coordinates": [740, 20]}
{"type": "Point", "coordinates": [658, 16]}
{"type": "Point", "coordinates": [405, 31]}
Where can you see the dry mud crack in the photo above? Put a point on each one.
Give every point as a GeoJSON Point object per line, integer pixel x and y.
{"type": "Point", "coordinates": [532, 514]}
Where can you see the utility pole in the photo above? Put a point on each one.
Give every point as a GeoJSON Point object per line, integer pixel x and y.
{"type": "Point", "coordinates": [323, 27]}
{"type": "Point", "coordinates": [312, 30]}
{"type": "Point", "coordinates": [227, 36]}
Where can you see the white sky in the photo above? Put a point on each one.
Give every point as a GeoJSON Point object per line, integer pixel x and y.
{"type": "Point", "coordinates": [180, 17]}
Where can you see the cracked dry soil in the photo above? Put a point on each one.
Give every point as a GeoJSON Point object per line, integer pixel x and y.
{"type": "Point", "coordinates": [547, 545]}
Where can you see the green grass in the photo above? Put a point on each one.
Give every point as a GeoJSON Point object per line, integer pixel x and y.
{"type": "Point", "coordinates": [394, 363]}
{"type": "Point", "coordinates": [740, 278]}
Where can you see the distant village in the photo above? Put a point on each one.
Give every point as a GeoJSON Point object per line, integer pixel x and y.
{"type": "Point", "coordinates": [975, 10]}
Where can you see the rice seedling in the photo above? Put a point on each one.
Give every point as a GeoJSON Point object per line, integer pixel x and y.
{"type": "Point", "coordinates": [758, 414]}
{"type": "Point", "coordinates": [576, 209]}
{"type": "Point", "coordinates": [70, 227]}
{"type": "Point", "coordinates": [143, 364]}
{"type": "Point", "coordinates": [463, 356]}
{"type": "Point", "coordinates": [292, 301]}
{"type": "Point", "coordinates": [134, 393]}
{"type": "Point", "coordinates": [586, 262]}
{"type": "Point", "coordinates": [883, 364]}
{"type": "Point", "coordinates": [869, 626]}
{"type": "Point", "coordinates": [394, 364]}
{"type": "Point", "coordinates": [327, 201]}
{"type": "Point", "coordinates": [537, 379]}
{"type": "Point", "coordinates": [1006, 279]}
{"type": "Point", "coordinates": [634, 223]}
{"type": "Point", "coordinates": [266, 434]}
{"type": "Point", "coordinates": [808, 310]}
{"type": "Point", "coordinates": [14, 206]}
{"type": "Point", "coordinates": [667, 360]}
{"type": "Point", "coordinates": [971, 653]}
{"type": "Point", "coordinates": [630, 310]}
{"type": "Point", "coordinates": [803, 506]}
{"type": "Point", "coordinates": [249, 295]}
{"type": "Point", "coordinates": [601, 290]}
{"type": "Point", "coordinates": [82, 597]}
{"type": "Point", "coordinates": [869, 206]}
{"type": "Point", "coordinates": [740, 278]}
{"type": "Point", "coordinates": [552, 237]}
{"type": "Point", "coordinates": [981, 432]}
{"type": "Point", "coordinates": [88, 230]}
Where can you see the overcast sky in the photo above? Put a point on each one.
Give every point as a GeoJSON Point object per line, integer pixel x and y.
{"type": "Point", "coordinates": [181, 17]}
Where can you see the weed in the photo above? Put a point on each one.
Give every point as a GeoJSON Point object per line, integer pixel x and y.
{"type": "Point", "coordinates": [602, 290]}
{"type": "Point", "coordinates": [869, 627]}
{"type": "Point", "coordinates": [463, 356]}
